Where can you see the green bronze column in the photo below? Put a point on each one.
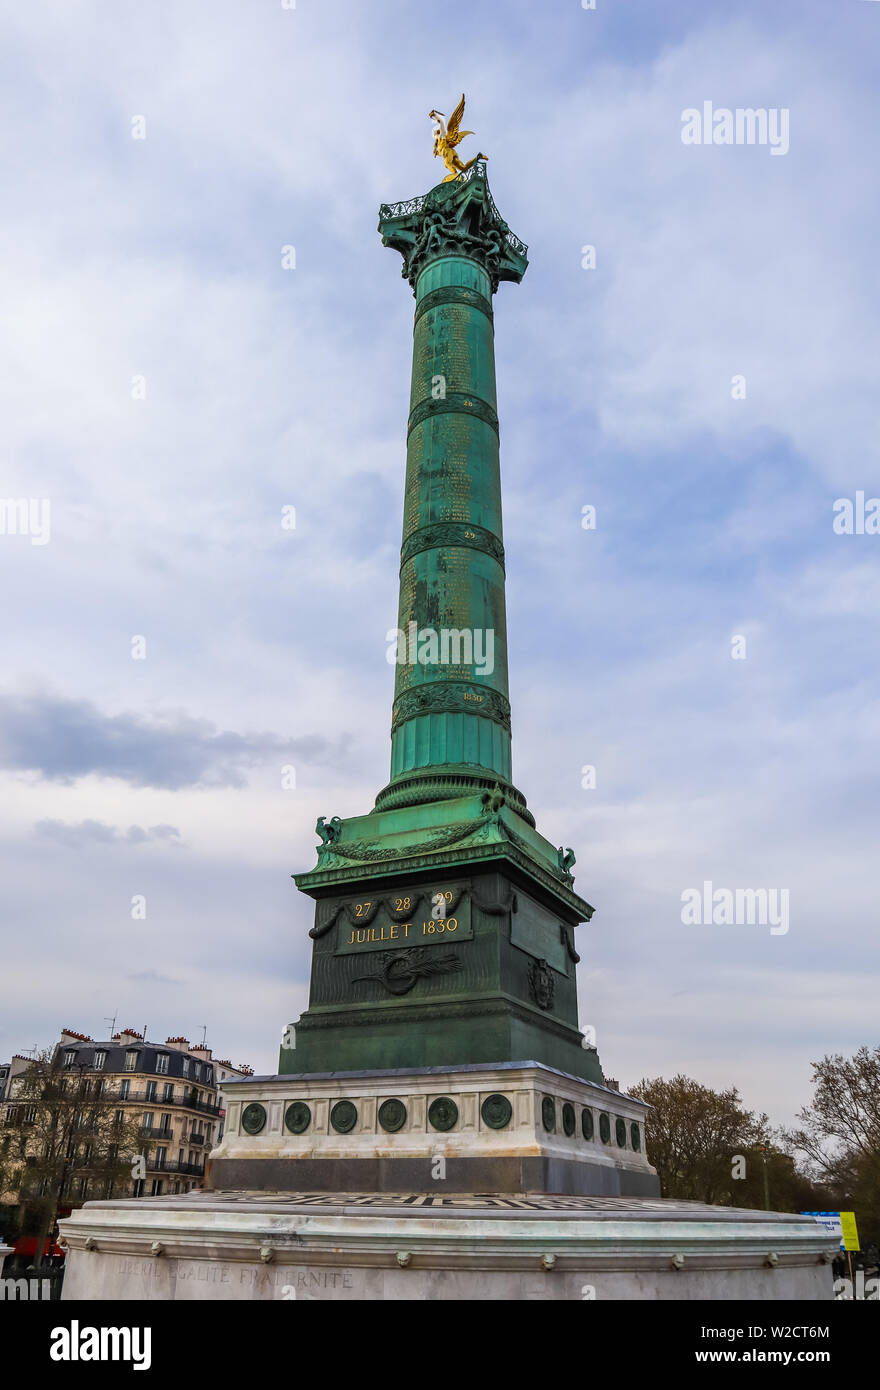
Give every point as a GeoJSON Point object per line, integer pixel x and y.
{"type": "Point", "coordinates": [450, 731]}
{"type": "Point", "coordinates": [444, 921]}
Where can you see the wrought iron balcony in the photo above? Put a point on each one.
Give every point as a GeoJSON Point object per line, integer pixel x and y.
{"type": "Point", "coordinates": [204, 1107]}
{"type": "Point", "coordinates": [173, 1165]}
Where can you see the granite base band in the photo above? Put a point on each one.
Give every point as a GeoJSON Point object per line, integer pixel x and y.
{"type": "Point", "coordinates": [443, 1247]}
{"type": "Point", "coordinates": [538, 1174]}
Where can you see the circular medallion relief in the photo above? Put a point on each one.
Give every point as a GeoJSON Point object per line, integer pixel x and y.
{"type": "Point", "coordinates": [253, 1118]}
{"type": "Point", "coordinates": [604, 1128]}
{"type": "Point", "coordinates": [392, 1115]}
{"type": "Point", "coordinates": [443, 1113]}
{"type": "Point", "coordinates": [635, 1137]}
{"type": "Point", "coordinates": [298, 1117]}
{"type": "Point", "coordinates": [343, 1116]}
{"type": "Point", "coordinates": [568, 1118]}
{"type": "Point", "coordinates": [587, 1125]}
{"type": "Point", "coordinates": [620, 1133]}
{"type": "Point", "coordinates": [496, 1112]}
{"type": "Point", "coordinates": [548, 1114]}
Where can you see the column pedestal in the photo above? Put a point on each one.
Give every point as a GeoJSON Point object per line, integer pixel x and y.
{"type": "Point", "coordinates": [511, 1127]}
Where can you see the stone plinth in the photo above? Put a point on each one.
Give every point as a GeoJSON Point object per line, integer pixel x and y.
{"type": "Point", "coordinates": [512, 1127]}
{"type": "Point", "coordinates": [375, 1247]}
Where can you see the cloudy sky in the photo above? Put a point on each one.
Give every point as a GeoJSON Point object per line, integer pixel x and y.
{"type": "Point", "coordinates": [169, 387]}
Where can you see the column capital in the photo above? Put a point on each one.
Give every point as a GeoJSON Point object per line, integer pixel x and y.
{"type": "Point", "coordinates": [458, 218]}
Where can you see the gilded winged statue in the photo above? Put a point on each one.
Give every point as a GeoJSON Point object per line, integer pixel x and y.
{"type": "Point", "coordinates": [446, 137]}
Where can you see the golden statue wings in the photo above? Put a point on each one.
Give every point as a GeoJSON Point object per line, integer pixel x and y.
{"type": "Point", "coordinates": [446, 137]}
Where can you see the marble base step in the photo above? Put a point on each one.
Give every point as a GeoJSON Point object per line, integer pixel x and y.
{"type": "Point", "coordinates": [451, 1247]}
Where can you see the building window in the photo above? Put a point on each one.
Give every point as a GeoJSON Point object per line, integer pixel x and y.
{"type": "Point", "coordinates": [100, 1059]}
{"type": "Point", "coordinates": [161, 1156]}
{"type": "Point", "coordinates": [147, 1122]}
{"type": "Point", "coordinates": [69, 1059]}
{"type": "Point", "coordinates": [168, 1091]}
{"type": "Point", "coordinates": [131, 1059]}
{"type": "Point", "coordinates": [124, 1088]}
{"type": "Point", "coordinates": [156, 1188]}
{"type": "Point", "coordinates": [83, 1187]}
{"type": "Point", "coordinates": [186, 1066]}
{"type": "Point", "coordinates": [120, 1116]}
{"type": "Point", "coordinates": [198, 1071]}
{"type": "Point", "coordinates": [101, 1086]}
{"type": "Point", "coordinates": [151, 1090]}
{"type": "Point", "coordinates": [162, 1063]}
{"type": "Point", "coordinates": [138, 1187]}
{"type": "Point", "coordinates": [208, 1076]}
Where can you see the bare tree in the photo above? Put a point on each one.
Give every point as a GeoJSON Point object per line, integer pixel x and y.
{"type": "Point", "coordinates": [839, 1132]}
{"type": "Point", "coordinates": [67, 1139]}
{"type": "Point", "coordinates": [10, 1177]}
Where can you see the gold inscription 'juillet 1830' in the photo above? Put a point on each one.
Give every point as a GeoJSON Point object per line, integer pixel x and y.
{"type": "Point", "coordinates": [401, 931]}
{"type": "Point", "coordinates": [406, 917]}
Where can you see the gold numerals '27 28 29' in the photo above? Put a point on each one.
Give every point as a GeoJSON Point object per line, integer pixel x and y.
{"type": "Point", "coordinates": [375, 924]}
{"type": "Point", "coordinates": [400, 904]}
